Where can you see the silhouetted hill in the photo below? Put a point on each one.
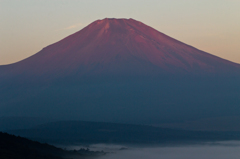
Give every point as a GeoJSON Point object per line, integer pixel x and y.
{"type": "Point", "coordinates": [70, 132]}
{"type": "Point", "coordinates": [12, 147]}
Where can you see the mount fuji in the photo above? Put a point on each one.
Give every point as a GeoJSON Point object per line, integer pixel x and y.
{"type": "Point", "coordinates": [121, 70]}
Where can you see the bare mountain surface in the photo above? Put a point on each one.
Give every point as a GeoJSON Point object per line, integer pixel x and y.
{"type": "Point", "coordinates": [121, 47]}
{"type": "Point", "coordinates": [121, 70]}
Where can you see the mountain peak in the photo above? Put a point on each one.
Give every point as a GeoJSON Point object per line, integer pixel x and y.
{"type": "Point", "coordinates": [114, 25]}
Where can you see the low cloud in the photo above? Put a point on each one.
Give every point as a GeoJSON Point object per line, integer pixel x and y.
{"type": "Point", "coordinates": [208, 150]}
{"type": "Point", "coordinates": [71, 27]}
{"type": "Point", "coordinates": [227, 150]}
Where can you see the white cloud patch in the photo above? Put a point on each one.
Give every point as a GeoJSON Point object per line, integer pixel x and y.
{"type": "Point", "coordinates": [71, 27]}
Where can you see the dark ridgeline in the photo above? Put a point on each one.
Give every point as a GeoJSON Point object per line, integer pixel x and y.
{"type": "Point", "coordinates": [12, 147]}
{"type": "Point", "coordinates": [16, 147]}
{"type": "Point", "coordinates": [80, 132]}
{"type": "Point", "coordinates": [121, 70]}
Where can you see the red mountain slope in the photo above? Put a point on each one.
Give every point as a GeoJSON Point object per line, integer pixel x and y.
{"type": "Point", "coordinates": [122, 47]}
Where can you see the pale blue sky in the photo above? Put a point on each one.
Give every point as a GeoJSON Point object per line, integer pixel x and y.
{"type": "Point", "coordinates": [26, 26]}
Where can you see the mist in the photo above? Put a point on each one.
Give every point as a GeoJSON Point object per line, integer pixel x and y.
{"type": "Point", "coordinates": [219, 150]}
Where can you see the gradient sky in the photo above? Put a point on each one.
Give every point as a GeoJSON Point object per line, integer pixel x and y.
{"type": "Point", "coordinates": [26, 26]}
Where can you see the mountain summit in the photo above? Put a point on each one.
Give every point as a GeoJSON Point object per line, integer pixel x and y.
{"type": "Point", "coordinates": [122, 47]}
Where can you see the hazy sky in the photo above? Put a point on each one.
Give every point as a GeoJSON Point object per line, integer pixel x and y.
{"type": "Point", "coordinates": [26, 26]}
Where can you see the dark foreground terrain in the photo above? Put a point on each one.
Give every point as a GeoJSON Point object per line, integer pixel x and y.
{"type": "Point", "coordinates": [12, 147]}
{"type": "Point", "coordinates": [15, 147]}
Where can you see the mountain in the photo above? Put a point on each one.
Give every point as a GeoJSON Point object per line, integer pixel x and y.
{"type": "Point", "coordinates": [120, 70]}
{"type": "Point", "coordinates": [69, 132]}
{"type": "Point", "coordinates": [120, 47]}
{"type": "Point", "coordinates": [22, 148]}
{"type": "Point", "coordinates": [16, 147]}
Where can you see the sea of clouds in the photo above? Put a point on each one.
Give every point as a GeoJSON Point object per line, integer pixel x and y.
{"type": "Point", "coordinates": [216, 150]}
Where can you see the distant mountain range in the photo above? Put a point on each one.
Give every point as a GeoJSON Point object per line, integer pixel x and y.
{"type": "Point", "coordinates": [121, 70]}
{"type": "Point", "coordinates": [85, 133]}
